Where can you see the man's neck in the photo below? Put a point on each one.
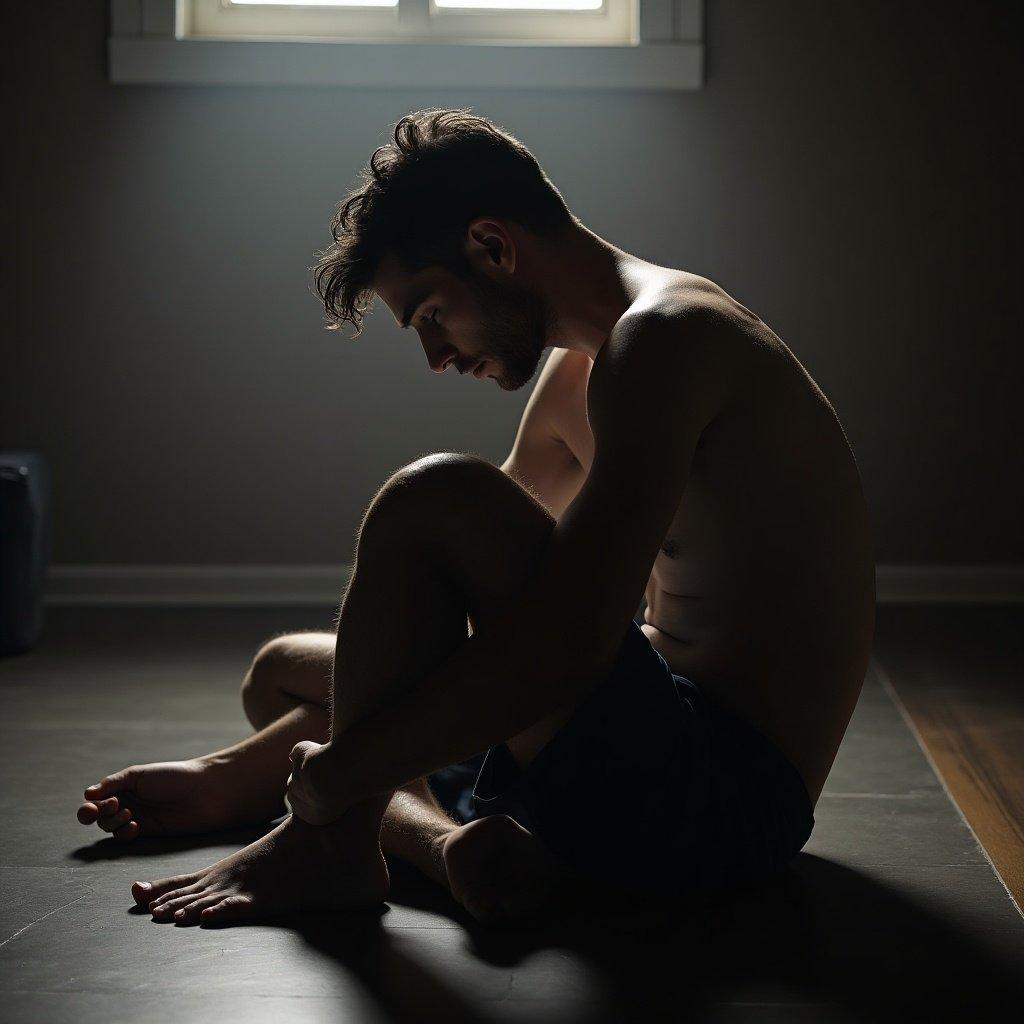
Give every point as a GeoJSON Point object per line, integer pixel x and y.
{"type": "Point", "coordinates": [588, 284]}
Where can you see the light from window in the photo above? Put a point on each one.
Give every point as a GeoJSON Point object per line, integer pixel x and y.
{"type": "Point", "coordinates": [525, 22]}
{"type": "Point", "coordinates": [314, 3]}
{"type": "Point", "coordinates": [471, 5]}
{"type": "Point", "coordinates": [523, 5]}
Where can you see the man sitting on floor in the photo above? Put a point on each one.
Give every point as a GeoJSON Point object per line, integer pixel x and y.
{"type": "Point", "coordinates": [673, 449]}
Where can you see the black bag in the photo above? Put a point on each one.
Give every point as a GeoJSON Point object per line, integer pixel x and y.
{"type": "Point", "coordinates": [25, 522]}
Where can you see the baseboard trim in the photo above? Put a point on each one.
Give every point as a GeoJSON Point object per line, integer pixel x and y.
{"type": "Point", "coordinates": [949, 584]}
{"type": "Point", "coordinates": [307, 586]}
{"type": "Point", "coordinates": [322, 585]}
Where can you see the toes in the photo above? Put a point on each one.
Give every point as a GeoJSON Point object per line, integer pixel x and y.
{"type": "Point", "coordinates": [189, 914]}
{"type": "Point", "coordinates": [87, 813]}
{"type": "Point", "coordinates": [126, 832]}
{"type": "Point", "coordinates": [112, 822]}
{"type": "Point", "coordinates": [176, 898]}
{"type": "Point", "coordinates": [93, 810]}
{"type": "Point", "coordinates": [148, 892]}
{"type": "Point", "coordinates": [228, 911]}
{"type": "Point", "coordinates": [109, 784]}
{"type": "Point", "coordinates": [174, 901]}
{"type": "Point", "coordinates": [142, 893]}
{"type": "Point", "coordinates": [104, 808]}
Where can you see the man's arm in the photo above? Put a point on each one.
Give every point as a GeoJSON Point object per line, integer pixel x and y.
{"type": "Point", "coordinates": [655, 386]}
{"type": "Point", "coordinates": [540, 460]}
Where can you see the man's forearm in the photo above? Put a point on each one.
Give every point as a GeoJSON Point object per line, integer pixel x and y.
{"type": "Point", "coordinates": [499, 682]}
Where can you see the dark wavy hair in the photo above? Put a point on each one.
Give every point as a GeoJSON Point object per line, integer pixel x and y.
{"type": "Point", "coordinates": [417, 196]}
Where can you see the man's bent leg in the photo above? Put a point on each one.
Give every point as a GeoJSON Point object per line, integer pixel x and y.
{"type": "Point", "coordinates": [296, 669]}
{"type": "Point", "coordinates": [285, 694]}
{"type": "Point", "coordinates": [241, 784]}
{"type": "Point", "coordinates": [448, 534]}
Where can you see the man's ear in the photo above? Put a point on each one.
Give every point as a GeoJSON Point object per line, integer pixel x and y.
{"type": "Point", "coordinates": [490, 247]}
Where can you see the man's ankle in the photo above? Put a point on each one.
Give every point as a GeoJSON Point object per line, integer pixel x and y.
{"type": "Point", "coordinates": [438, 871]}
{"type": "Point", "coordinates": [224, 772]}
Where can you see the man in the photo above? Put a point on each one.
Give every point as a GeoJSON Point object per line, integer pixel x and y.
{"type": "Point", "coordinates": [673, 450]}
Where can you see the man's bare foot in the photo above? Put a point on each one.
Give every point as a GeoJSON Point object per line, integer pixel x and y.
{"type": "Point", "coordinates": [295, 867]}
{"type": "Point", "coordinates": [176, 798]}
{"type": "Point", "coordinates": [497, 869]}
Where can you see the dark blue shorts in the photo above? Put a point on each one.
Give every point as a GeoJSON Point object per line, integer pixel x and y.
{"type": "Point", "coordinates": [650, 787]}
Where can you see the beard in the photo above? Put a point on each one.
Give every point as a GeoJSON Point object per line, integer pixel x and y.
{"type": "Point", "coordinates": [514, 327]}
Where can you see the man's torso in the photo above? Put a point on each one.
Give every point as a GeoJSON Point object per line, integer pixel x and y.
{"type": "Point", "coordinates": [763, 590]}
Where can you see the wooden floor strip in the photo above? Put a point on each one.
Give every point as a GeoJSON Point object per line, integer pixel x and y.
{"type": "Point", "coordinates": [959, 675]}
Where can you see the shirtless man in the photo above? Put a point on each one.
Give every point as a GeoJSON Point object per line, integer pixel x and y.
{"type": "Point", "coordinates": [673, 450]}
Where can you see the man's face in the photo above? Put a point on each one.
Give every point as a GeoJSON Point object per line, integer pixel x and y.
{"type": "Point", "coordinates": [471, 322]}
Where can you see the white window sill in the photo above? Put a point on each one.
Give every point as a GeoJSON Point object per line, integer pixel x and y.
{"type": "Point", "coordinates": [163, 61]}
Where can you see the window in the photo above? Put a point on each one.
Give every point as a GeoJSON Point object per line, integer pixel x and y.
{"type": "Point", "coordinates": [569, 21]}
{"type": "Point", "coordinates": [507, 44]}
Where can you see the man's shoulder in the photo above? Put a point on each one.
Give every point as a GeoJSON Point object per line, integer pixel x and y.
{"type": "Point", "coordinates": [683, 345]}
{"type": "Point", "coordinates": [675, 330]}
{"type": "Point", "coordinates": [685, 310]}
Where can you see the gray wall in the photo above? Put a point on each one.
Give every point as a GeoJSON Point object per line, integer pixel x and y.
{"type": "Point", "coordinates": [848, 172]}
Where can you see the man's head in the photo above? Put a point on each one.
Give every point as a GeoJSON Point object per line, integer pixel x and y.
{"type": "Point", "coordinates": [437, 231]}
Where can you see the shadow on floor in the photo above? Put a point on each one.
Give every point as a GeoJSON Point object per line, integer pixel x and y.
{"type": "Point", "coordinates": [113, 849]}
{"type": "Point", "coordinates": [822, 933]}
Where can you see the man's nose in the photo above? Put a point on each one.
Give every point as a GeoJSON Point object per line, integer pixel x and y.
{"type": "Point", "coordinates": [440, 359]}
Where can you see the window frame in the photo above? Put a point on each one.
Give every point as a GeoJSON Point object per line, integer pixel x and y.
{"type": "Point", "coordinates": [613, 22]}
{"type": "Point", "coordinates": [151, 43]}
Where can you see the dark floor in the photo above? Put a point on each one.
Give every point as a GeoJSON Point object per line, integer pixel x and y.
{"type": "Point", "coordinates": [892, 913]}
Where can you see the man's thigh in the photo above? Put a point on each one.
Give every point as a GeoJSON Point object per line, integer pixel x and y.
{"type": "Point", "coordinates": [625, 748]}
{"type": "Point", "coordinates": [526, 744]}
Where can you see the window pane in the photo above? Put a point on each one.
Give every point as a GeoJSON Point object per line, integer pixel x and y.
{"type": "Point", "coordinates": [523, 5]}
{"type": "Point", "coordinates": [314, 3]}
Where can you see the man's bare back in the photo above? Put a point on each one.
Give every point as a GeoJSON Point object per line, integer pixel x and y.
{"type": "Point", "coordinates": [763, 590]}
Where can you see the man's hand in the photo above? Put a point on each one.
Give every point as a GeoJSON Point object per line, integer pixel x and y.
{"type": "Point", "coordinates": [314, 793]}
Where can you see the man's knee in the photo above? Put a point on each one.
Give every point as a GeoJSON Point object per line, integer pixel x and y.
{"type": "Point", "coordinates": [452, 490]}
{"type": "Point", "coordinates": [463, 514]}
{"type": "Point", "coordinates": [433, 478]}
{"type": "Point", "coordinates": [266, 675]}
